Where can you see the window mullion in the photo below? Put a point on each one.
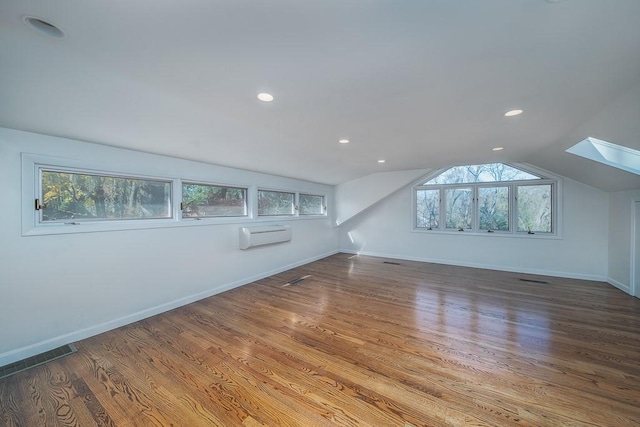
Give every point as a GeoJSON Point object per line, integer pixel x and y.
{"type": "Point", "coordinates": [475, 206]}
{"type": "Point", "coordinates": [504, 199]}
{"type": "Point", "coordinates": [441, 213]}
{"type": "Point", "coordinates": [311, 204]}
{"type": "Point", "coordinates": [513, 206]}
{"type": "Point", "coordinates": [177, 199]}
{"type": "Point", "coordinates": [40, 194]}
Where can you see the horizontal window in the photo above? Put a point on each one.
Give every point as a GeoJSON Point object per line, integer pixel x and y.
{"type": "Point", "coordinates": [204, 200]}
{"type": "Point", "coordinates": [75, 196]}
{"type": "Point", "coordinates": [71, 199]}
{"type": "Point", "coordinates": [310, 204]}
{"type": "Point", "coordinates": [276, 203]}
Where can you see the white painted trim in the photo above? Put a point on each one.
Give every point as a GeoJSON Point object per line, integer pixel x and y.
{"type": "Point", "coordinates": [546, 177]}
{"type": "Point", "coordinates": [624, 288]}
{"type": "Point", "coordinates": [51, 343]}
{"type": "Point", "coordinates": [30, 164]}
{"type": "Point", "coordinates": [608, 153]}
{"type": "Point", "coordinates": [563, 274]}
{"type": "Point", "coordinates": [507, 234]}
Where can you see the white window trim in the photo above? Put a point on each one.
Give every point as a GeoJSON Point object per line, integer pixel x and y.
{"type": "Point", "coordinates": [282, 216]}
{"type": "Point", "coordinates": [30, 179]}
{"type": "Point", "coordinates": [546, 178]}
{"type": "Point", "coordinates": [510, 209]}
{"type": "Point", "coordinates": [178, 199]}
{"type": "Point", "coordinates": [296, 204]}
{"type": "Point", "coordinates": [31, 166]}
{"type": "Point", "coordinates": [39, 168]}
{"type": "Point", "coordinates": [324, 204]}
{"type": "Point", "coordinates": [443, 220]}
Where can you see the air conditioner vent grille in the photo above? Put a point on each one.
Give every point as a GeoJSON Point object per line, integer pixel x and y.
{"type": "Point", "coordinates": [37, 360]}
{"type": "Point", "coordinates": [534, 281]}
{"type": "Point", "coordinates": [297, 280]}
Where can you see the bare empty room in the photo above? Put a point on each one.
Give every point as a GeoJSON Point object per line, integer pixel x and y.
{"type": "Point", "coordinates": [320, 213]}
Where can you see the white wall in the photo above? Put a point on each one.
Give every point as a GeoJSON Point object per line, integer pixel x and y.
{"type": "Point", "coordinates": [620, 237]}
{"type": "Point", "coordinates": [618, 123]}
{"type": "Point", "coordinates": [355, 196]}
{"type": "Point", "coordinates": [60, 288]}
{"type": "Point", "coordinates": [386, 230]}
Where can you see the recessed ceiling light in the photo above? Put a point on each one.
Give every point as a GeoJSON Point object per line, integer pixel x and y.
{"type": "Point", "coordinates": [381, 161]}
{"type": "Point", "coordinates": [512, 113]}
{"type": "Point", "coordinates": [343, 141]}
{"type": "Point", "coordinates": [498, 148]}
{"type": "Point", "coordinates": [265, 97]}
{"type": "Point", "coordinates": [43, 27]}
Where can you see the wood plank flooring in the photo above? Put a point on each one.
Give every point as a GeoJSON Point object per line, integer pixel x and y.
{"type": "Point", "coordinates": [358, 343]}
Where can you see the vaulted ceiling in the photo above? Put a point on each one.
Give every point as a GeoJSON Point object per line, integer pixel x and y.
{"type": "Point", "coordinates": [419, 84]}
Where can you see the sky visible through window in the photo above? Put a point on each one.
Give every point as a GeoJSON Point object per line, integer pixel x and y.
{"type": "Point", "coordinates": [491, 172]}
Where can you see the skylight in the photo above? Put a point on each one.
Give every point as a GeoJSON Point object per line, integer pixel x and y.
{"type": "Point", "coordinates": [608, 154]}
{"type": "Point", "coordinates": [490, 172]}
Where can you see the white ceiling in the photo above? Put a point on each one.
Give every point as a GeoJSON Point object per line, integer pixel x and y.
{"type": "Point", "coordinates": [419, 83]}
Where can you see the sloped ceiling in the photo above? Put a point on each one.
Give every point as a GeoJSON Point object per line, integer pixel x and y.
{"type": "Point", "coordinates": [620, 122]}
{"type": "Point", "coordinates": [421, 84]}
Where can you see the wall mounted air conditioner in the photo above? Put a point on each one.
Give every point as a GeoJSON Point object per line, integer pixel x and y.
{"type": "Point", "coordinates": [265, 235]}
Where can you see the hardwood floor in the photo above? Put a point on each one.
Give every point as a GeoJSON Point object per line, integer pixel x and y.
{"type": "Point", "coordinates": [358, 343]}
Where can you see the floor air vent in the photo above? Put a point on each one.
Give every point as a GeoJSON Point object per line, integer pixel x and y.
{"type": "Point", "coordinates": [295, 281]}
{"type": "Point", "coordinates": [40, 359]}
{"type": "Point", "coordinates": [389, 262]}
{"type": "Point", "coordinates": [534, 281]}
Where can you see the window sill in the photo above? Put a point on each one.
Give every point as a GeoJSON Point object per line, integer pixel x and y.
{"type": "Point", "coordinates": [519, 235]}
{"type": "Point", "coordinates": [92, 227]}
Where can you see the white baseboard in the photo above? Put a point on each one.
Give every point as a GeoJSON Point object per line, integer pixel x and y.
{"type": "Point", "coordinates": [552, 273]}
{"type": "Point", "coordinates": [54, 342]}
{"type": "Point", "coordinates": [621, 286]}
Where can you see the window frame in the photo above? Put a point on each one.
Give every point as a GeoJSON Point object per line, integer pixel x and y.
{"type": "Point", "coordinates": [247, 207]}
{"type": "Point", "coordinates": [443, 205]}
{"type": "Point", "coordinates": [546, 178]}
{"type": "Point", "coordinates": [324, 205]}
{"type": "Point", "coordinates": [553, 197]}
{"type": "Point", "coordinates": [31, 164]}
{"type": "Point", "coordinates": [296, 205]}
{"type": "Point", "coordinates": [415, 209]}
{"type": "Point", "coordinates": [73, 171]}
{"type": "Point", "coordinates": [293, 213]}
{"type": "Point", "coordinates": [31, 189]}
{"type": "Point", "coordinates": [510, 207]}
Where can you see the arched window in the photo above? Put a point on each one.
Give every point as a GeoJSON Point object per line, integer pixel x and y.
{"type": "Point", "coordinates": [487, 198]}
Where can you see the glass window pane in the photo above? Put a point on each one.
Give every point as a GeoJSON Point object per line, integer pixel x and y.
{"type": "Point", "coordinates": [534, 208]}
{"type": "Point", "coordinates": [491, 172]}
{"type": "Point", "coordinates": [493, 208]}
{"type": "Point", "coordinates": [200, 200]}
{"type": "Point", "coordinates": [458, 208]}
{"type": "Point", "coordinates": [82, 196]}
{"type": "Point", "coordinates": [428, 209]}
{"type": "Point", "coordinates": [275, 203]}
{"type": "Point", "coordinates": [311, 205]}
